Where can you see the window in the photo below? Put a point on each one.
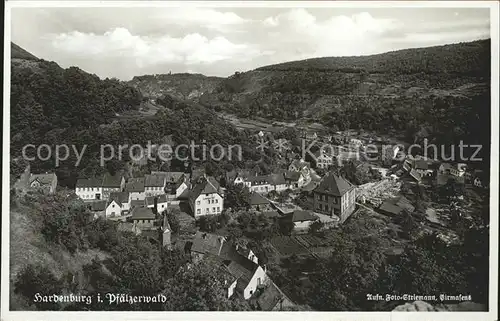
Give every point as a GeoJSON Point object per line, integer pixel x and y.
{"type": "Point", "coordinates": [213, 209]}
{"type": "Point", "coordinates": [198, 211]}
{"type": "Point", "coordinates": [218, 209]}
{"type": "Point", "coordinates": [207, 210]}
{"type": "Point", "coordinates": [326, 207]}
{"type": "Point", "coordinates": [216, 201]}
{"type": "Point", "coordinates": [320, 207]}
{"type": "Point", "coordinates": [197, 202]}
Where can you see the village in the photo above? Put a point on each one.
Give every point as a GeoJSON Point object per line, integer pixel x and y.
{"type": "Point", "coordinates": [305, 197]}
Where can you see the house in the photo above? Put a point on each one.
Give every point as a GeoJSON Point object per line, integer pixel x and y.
{"type": "Point", "coordinates": [46, 182]}
{"type": "Point", "coordinates": [136, 188]}
{"type": "Point", "coordinates": [143, 218]}
{"type": "Point", "coordinates": [273, 299]}
{"type": "Point", "coordinates": [154, 184]}
{"type": "Point", "coordinates": [137, 203]}
{"type": "Point", "coordinates": [299, 165]}
{"type": "Point", "coordinates": [113, 208]}
{"type": "Point", "coordinates": [396, 206]}
{"type": "Point", "coordinates": [244, 275]}
{"type": "Point", "coordinates": [206, 243]}
{"type": "Point", "coordinates": [447, 171]}
{"type": "Point", "coordinates": [355, 143]}
{"type": "Point", "coordinates": [294, 180]}
{"type": "Point", "coordinates": [242, 178]}
{"type": "Point", "coordinates": [247, 253]}
{"type": "Point", "coordinates": [112, 183]}
{"type": "Point", "coordinates": [206, 197]}
{"type": "Point", "coordinates": [302, 219]}
{"type": "Point", "coordinates": [323, 159]}
{"type": "Point", "coordinates": [149, 202]}
{"type": "Point", "coordinates": [161, 203]}
{"type": "Point", "coordinates": [89, 189]}
{"type": "Point", "coordinates": [334, 195]}
{"type": "Point", "coordinates": [259, 203]}
{"type": "Point", "coordinates": [98, 208]}
{"type": "Point", "coordinates": [122, 198]}
{"type": "Point", "coordinates": [261, 184]}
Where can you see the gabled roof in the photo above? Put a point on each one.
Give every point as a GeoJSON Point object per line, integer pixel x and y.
{"type": "Point", "coordinates": [257, 199]}
{"type": "Point", "coordinates": [271, 297]}
{"type": "Point", "coordinates": [89, 182]}
{"type": "Point", "coordinates": [150, 200]}
{"type": "Point", "coordinates": [98, 206]}
{"type": "Point", "coordinates": [206, 185]}
{"type": "Point", "coordinates": [334, 185]}
{"type": "Point", "coordinates": [137, 203]}
{"type": "Point", "coordinates": [44, 179]}
{"type": "Point", "coordinates": [170, 177]}
{"type": "Point", "coordinates": [420, 164]}
{"type": "Point", "coordinates": [120, 197]}
{"type": "Point", "coordinates": [404, 203]}
{"type": "Point", "coordinates": [277, 179]}
{"type": "Point", "coordinates": [112, 180]}
{"type": "Point", "coordinates": [162, 198]}
{"type": "Point", "coordinates": [301, 216]}
{"type": "Point", "coordinates": [390, 208]}
{"type": "Point", "coordinates": [271, 214]}
{"type": "Point", "coordinates": [135, 185]}
{"type": "Point", "coordinates": [292, 176]}
{"type": "Point", "coordinates": [206, 243]}
{"type": "Point", "coordinates": [416, 175]}
{"type": "Point", "coordinates": [154, 180]}
{"type": "Point", "coordinates": [300, 163]}
{"type": "Point", "coordinates": [142, 213]}
{"type": "Point", "coordinates": [113, 201]}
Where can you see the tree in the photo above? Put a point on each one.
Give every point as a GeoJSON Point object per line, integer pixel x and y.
{"type": "Point", "coordinates": [173, 220]}
{"type": "Point", "coordinates": [316, 227]}
{"type": "Point", "coordinates": [37, 279]}
{"type": "Point", "coordinates": [198, 287]}
{"type": "Point", "coordinates": [237, 196]}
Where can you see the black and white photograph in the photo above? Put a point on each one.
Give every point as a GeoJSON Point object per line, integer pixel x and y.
{"type": "Point", "coordinates": [282, 159]}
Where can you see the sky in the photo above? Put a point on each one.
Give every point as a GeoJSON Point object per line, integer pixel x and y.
{"type": "Point", "coordinates": [127, 42]}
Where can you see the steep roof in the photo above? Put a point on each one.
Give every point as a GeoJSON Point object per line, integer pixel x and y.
{"type": "Point", "coordinates": [44, 179]}
{"type": "Point", "coordinates": [137, 203]}
{"type": "Point", "coordinates": [112, 180]}
{"type": "Point", "coordinates": [142, 213]}
{"type": "Point", "coordinates": [260, 180]}
{"type": "Point", "coordinates": [271, 214]}
{"type": "Point", "coordinates": [257, 199]}
{"type": "Point", "coordinates": [301, 216]}
{"type": "Point", "coordinates": [98, 206]}
{"type": "Point", "coordinates": [120, 197]}
{"type": "Point", "coordinates": [135, 185]}
{"type": "Point", "coordinates": [89, 182]}
{"type": "Point", "coordinates": [390, 208]}
{"type": "Point", "coordinates": [271, 297]}
{"type": "Point", "coordinates": [150, 200]}
{"type": "Point", "coordinates": [156, 180]}
{"type": "Point", "coordinates": [162, 198]}
{"type": "Point", "coordinates": [170, 177]}
{"type": "Point", "coordinates": [420, 164]}
{"type": "Point", "coordinates": [206, 243]}
{"type": "Point", "coordinates": [206, 185]}
{"type": "Point", "coordinates": [334, 185]}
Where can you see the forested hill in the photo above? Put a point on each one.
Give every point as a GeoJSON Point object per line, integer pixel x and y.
{"type": "Point", "coordinates": [471, 58]}
{"type": "Point", "coordinates": [17, 52]}
{"type": "Point", "coordinates": [440, 93]}
{"type": "Point", "coordinates": [182, 86]}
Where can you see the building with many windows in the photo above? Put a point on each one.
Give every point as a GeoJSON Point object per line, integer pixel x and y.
{"type": "Point", "coordinates": [335, 196]}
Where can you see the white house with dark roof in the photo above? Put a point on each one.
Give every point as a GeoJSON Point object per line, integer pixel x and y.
{"type": "Point", "coordinates": [161, 203]}
{"type": "Point", "coordinates": [135, 186]}
{"type": "Point", "coordinates": [89, 189]}
{"type": "Point", "coordinates": [154, 184]}
{"type": "Point", "coordinates": [112, 183]}
{"type": "Point", "coordinates": [299, 165]}
{"type": "Point", "coordinates": [122, 198]}
{"type": "Point", "coordinates": [113, 209]}
{"type": "Point", "coordinates": [206, 198]}
{"type": "Point", "coordinates": [46, 182]}
{"type": "Point", "coordinates": [334, 195]}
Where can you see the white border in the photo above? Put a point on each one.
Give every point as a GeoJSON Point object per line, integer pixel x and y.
{"type": "Point", "coordinates": [372, 316]}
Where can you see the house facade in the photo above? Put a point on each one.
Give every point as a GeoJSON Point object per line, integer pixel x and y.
{"type": "Point", "coordinates": [122, 198]}
{"type": "Point", "coordinates": [111, 184]}
{"type": "Point", "coordinates": [206, 197]}
{"type": "Point", "coordinates": [113, 209]}
{"type": "Point", "coordinates": [135, 186]}
{"type": "Point", "coordinates": [89, 189]}
{"type": "Point", "coordinates": [46, 182]}
{"type": "Point", "coordinates": [154, 184]}
{"type": "Point", "coordinates": [335, 196]}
